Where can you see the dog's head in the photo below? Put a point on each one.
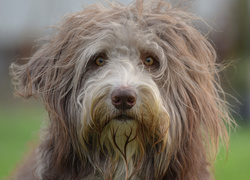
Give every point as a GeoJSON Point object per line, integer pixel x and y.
{"type": "Point", "coordinates": [126, 84]}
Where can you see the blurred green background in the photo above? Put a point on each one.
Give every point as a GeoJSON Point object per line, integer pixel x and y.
{"type": "Point", "coordinates": [21, 22]}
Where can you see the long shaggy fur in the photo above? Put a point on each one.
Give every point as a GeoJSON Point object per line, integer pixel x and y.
{"type": "Point", "coordinates": [180, 115]}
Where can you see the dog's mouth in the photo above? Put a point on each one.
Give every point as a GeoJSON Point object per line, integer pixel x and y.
{"type": "Point", "coordinates": [123, 117]}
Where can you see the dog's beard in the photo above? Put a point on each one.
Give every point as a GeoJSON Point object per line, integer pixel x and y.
{"type": "Point", "coordinates": [121, 140]}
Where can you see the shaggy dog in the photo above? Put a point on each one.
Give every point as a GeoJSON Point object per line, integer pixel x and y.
{"type": "Point", "coordinates": [131, 92]}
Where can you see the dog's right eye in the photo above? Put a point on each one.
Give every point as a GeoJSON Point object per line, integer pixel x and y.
{"type": "Point", "coordinates": [99, 61]}
{"type": "Point", "coordinates": [149, 61]}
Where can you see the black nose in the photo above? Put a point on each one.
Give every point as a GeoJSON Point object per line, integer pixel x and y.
{"type": "Point", "coordinates": [123, 98]}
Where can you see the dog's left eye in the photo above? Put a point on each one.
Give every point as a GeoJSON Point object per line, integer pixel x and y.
{"type": "Point", "coordinates": [100, 61]}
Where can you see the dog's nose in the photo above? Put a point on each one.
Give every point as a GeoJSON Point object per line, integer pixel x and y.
{"type": "Point", "coordinates": [123, 98]}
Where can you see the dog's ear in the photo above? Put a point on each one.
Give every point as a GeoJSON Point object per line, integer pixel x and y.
{"type": "Point", "coordinates": [29, 79]}
{"type": "Point", "coordinates": [195, 99]}
{"type": "Point", "coordinates": [194, 82]}
{"type": "Point", "coordinates": [42, 73]}
{"type": "Point", "coordinates": [50, 68]}
{"type": "Point", "coordinates": [192, 75]}
{"type": "Point", "coordinates": [48, 75]}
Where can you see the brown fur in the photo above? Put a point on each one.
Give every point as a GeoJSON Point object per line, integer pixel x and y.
{"type": "Point", "coordinates": [181, 123]}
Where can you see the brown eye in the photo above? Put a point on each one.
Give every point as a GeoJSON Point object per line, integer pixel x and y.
{"type": "Point", "coordinates": [99, 61]}
{"type": "Point", "coordinates": [149, 61]}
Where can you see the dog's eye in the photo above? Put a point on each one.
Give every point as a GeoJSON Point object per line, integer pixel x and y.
{"type": "Point", "coordinates": [99, 61]}
{"type": "Point", "coordinates": [149, 61]}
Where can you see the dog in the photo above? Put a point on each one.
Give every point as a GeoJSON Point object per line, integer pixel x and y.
{"type": "Point", "coordinates": [132, 92]}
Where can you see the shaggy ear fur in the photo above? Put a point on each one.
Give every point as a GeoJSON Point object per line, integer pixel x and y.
{"type": "Point", "coordinates": [40, 75]}
{"type": "Point", "coordinates": [49, 75]}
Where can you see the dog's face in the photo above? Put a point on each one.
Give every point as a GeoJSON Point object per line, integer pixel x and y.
{"type": "Point", "coordinates": [122, 91]}
{"type": "Point", "coordinates": [123, 85]}
{"type": "Point", "coordinates": [119, 86]}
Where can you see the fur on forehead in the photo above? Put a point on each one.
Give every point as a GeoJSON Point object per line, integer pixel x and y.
{"type": "Point", "coordinates": [125, 38]}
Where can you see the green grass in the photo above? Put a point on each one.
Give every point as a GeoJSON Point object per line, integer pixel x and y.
{"type": "Point", "coordinates": [20, 124]}
{"type": "Point", "coordinates": [237, 165]}
{"type": "Point", "coordinates": [18, 128]}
